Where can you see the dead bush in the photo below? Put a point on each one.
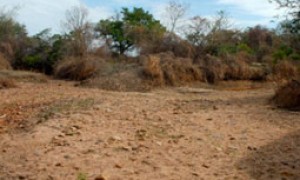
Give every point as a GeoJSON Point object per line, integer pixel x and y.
{"type": "Point", "coordinates": [152, 69]}
{"type": "Point", "coordinates": [214, 68]}
{"type": "Point", "coordinates": [119, 76]}
{"type": "Point", "coordinates": [288, 95]}
{"type": "Point", "coordinates": [285, 70]}
{"type": "Point", "coordinates": [7, 83]}
{"type": "Point", "coordinates": [76, 68]}
{"type": "Point", "coordinates": [4, 63]}
{"type": "Point", "coordinates": [230, 67]}
{"type": "Point", "coordinates": [166, 69]}
{"type": "Point", "coordinates": [170, 43]}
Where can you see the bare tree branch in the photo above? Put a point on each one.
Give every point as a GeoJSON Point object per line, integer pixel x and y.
{"type": "Point", "coordinates": [175, 11]}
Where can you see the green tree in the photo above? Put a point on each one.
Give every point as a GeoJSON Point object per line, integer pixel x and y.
{"type": "Point", "coordinates": [43, 51]}
{"type": "Point", "coordinates": [132, 30]}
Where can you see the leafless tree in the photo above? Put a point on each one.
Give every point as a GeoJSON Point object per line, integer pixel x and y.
{"type": "Point", "coordinates": [175, 11]}
{"type": "Point", "coordinates": [222, 21]}
{"type": "Point", "coordinates": [197, 30]}
{"type": "Point", "coordinates": [80, 29]}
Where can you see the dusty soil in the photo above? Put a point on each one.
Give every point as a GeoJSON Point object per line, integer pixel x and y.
{"type": "Point", "coordinates": [57, 131]}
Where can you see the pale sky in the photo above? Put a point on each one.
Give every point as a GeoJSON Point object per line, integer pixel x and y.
{"type": "Point", "coordinates": [40, 14]}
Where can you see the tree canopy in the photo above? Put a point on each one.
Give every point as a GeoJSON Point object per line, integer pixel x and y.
{"type": "Point", "coordinates": [135, 26]}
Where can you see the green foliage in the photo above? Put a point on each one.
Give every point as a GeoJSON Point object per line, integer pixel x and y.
{"type": "Point", "coordinates": [244, 48]}
{"type": "Point", "coordinates": [43, 51]}
{"type": "Point", "coordinates": [32, 61]}
{"type": "Point", "coordinates": [115, 31]}
{"type": "Point", "coordinates": [123, 34]}
{"type": "Point", "coordinates": [295, 56]}
{"type": "Point", "coordinates": [227, 49]}
{"type": "Point", "coordinates": [282, 53]}
{"type": "Point", "coordinates": [82, 176]}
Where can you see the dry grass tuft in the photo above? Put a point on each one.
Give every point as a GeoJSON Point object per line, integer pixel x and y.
{"type": "Point", "coordinates": [24, 76]}
{"type": "Point", "coordinates": [288, 95]}
{"type": "Point", "coordinates": [6, 83]}
{"type": "Point", "coordinates": [75, 68]}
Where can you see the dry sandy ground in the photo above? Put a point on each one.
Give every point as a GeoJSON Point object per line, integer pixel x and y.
{"type": "Point", "coordinates": [57, 131]}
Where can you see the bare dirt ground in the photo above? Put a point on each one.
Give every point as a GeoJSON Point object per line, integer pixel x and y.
{"type": "Point", "coordinates": [57, 131]}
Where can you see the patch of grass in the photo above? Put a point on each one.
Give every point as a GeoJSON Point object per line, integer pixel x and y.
{"type": "Point", "coordinates": [64, 106]}
{"type": "Point", "coordinates": [23, 76]}
{"type": "Point", "coordinates": [81, 176]}
{"type": "Point", "coordinates": [7, 83]}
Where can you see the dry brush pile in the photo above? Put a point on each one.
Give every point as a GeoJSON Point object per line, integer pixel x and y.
{"type": "Point", "coordinates": [232, 68]}
{"type": "Point", "coordinates": [288, 95]}
{"type": "Point", "coordinates": [165, 69]}
{"type": "Point", "coordinates": [77, 68]}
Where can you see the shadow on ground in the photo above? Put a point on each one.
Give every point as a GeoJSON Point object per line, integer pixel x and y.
{"type": "Point", "coordinates": [277, 160]}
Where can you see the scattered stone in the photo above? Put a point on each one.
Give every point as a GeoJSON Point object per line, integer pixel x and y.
{"type": "Point", "coordinates": [159, 143]}
{"type": "Point", "coordinates": [108, 110]}
{"type": "Point", "coordinates": [252, 148]}
{"type": "Point", "coordinates": [58, 165]}
{"type": "Point", "coordinates": [97, 107]}
{"type": "Point", "coordinates": [118, 166]}
{"type": "Point", "coordinates": [205, 165]}
{"type": "Point", "coordinates": [116, 138]}
{"type": "Point", "coordinates": [195, 174]}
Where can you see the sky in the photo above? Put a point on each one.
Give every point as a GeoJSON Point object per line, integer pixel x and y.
{"type": "Point", "coordinates": [38, 15]}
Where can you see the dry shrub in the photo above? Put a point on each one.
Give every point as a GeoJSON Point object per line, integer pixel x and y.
{"type": "Point", "coordinates": [7, 83]}
{"type": "Point", "coordinates": [285, 70]}
{"type": "Point", "coordinates": [245, 56]}
{"type": "Point", "coordinates": [214, 68]}
{"type": "Point", "coordinates": [103, 51]}
{"type": "Point", "coordinates": [170, 43]}
{"type": "Point", "coordinates": [4, 63]}
{"type": "Point", "coordinates": [76, 68]}
{"type": "Point", "coordinates": [166, 69]}
{"type": "Point", "coordinates": [288, 95]}
{"type": "Point", "coordinates": [238, 70]}
{"type": "Point", "coordinates": [242, 67]}
{"type": "Point", "coordinates": [119, 76]}
{"type": "Point", "coordinates": [152, 69]}
{"type": "Point", "coordinates": [230, 67]}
